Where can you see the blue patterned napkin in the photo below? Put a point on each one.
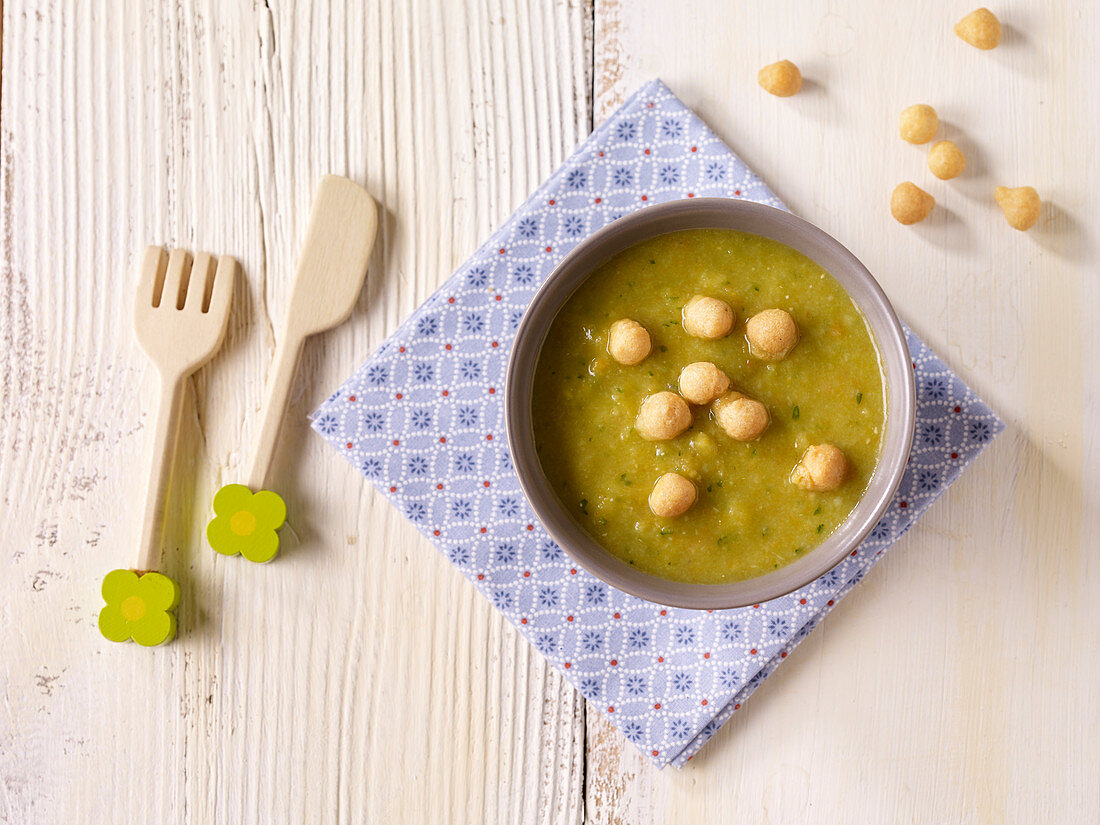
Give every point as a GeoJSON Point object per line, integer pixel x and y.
{"type": "Point", "coordinates": [423, 420]}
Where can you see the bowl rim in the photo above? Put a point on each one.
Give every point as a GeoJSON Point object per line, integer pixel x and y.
{"type": "Point", "coordinates": [678, 215]}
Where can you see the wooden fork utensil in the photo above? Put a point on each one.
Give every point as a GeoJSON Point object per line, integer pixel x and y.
{"type": "Point", "coordinates": [180, 317]}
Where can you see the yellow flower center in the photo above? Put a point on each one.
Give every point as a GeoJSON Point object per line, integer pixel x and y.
{"type": "Point", "coordinates": [243, 523]}
{"type": "Point", "coordinates": [133, 608]}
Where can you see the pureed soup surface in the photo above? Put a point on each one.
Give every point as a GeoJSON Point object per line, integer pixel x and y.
{"type": "Point", "coordinates": [748, 518]}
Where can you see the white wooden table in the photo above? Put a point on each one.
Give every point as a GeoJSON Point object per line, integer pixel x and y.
{"type": "Point", "coordinates": [360, 678]}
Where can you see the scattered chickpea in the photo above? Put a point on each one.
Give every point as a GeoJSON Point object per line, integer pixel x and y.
{"type": "Point", "coordinates": [781, 79]}
{"type": "Point", "coordinates": [662, 416]}
{"type": "Point", "coordinates": [706, 317]}
{"type": "Point", "coordinates": [919, 123]}
{"type": "Point", "coordinates": [743, 418]}
{"type": "Point", "coordinates": [980, 29]}
{"type": "Point", "coordinates": [822, 467]}
{"type": "Point", "coordinates": [772, 334]}
{"type": "Point", "coordinates": [628, 342]}
{"type": "Point", "coordinates": [910, 204]}
{"type": "Point", "coordinates": [673, 495]}
{"type": "Point", "coordinates": [1021, 206]}
{"type": "Point", "coordinates": [702, 382]}
{"type": "Point", "coordinates": [946, 160]}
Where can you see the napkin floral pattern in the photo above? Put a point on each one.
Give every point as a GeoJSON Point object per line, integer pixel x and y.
{"type": "Point", "coordinates": [423, 420]}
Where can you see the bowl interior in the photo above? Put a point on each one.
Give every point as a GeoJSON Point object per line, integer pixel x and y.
{"type": "Point", "coordinates": [711, 213]}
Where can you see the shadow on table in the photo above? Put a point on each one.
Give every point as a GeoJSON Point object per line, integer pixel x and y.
{"type": "Point", "coordinates": [1059, 232]}
{"type": "Point", "coordinates": [945, 229]}
{"type": "Point", "coordinates": [185, 510]}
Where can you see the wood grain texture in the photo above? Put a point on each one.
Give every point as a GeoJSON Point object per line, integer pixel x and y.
{"type": "Point", "coordinates": [359, 678]}
{"type": "Point", "coordinates": [957, 683]}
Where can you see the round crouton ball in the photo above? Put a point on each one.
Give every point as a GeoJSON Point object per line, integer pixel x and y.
{"type": "Point", "coordinates": [980, 29]}
{"type": "Point", "coordinates": [743, 418]}
{"type": "Point", "coordinates": [1020, 205]}
{"type": "Point", "coordinates": [772, 334]}
{"type": "Point", "coordinates": [706, 317]}
{"type": "Point", "coordinates": [919, 123]}
{"type": "Point", "coordinates": [823, 467]}
{"type": "Point", "coordinates": [663, 415]}
{"type": "Point", "coordinates": [946, 160]}
{"type": "Point", "coordinates": [672, 496]}
{"type": "Point", "coordinates": [628, 342]}
{"type": "Point", "coordinates": [910, 204]}
{"type": "Point", "coordinates": [702, 382]}
{"type": "Point", "coordinates": [781, 79]}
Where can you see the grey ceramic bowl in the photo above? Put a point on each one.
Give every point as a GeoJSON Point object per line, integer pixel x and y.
{"type": "Point", "coordinates": [702, 213]}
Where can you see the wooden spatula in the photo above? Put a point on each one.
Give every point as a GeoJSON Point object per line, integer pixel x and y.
{"type": "Point", "coordinates": [331, 269]}
{"type": "Point", "coordinates": [180, 315]}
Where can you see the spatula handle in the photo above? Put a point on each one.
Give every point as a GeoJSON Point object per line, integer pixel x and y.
{"type": "Point", "coordinates": [165, 435]}
{"type": "Point", "coordinates": [276, 396]}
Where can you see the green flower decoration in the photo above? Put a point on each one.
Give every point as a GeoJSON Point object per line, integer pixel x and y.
{"type": "Point", "coordinates": [245, 523]}
{"type": "Point", "coordinates": [139, 607]}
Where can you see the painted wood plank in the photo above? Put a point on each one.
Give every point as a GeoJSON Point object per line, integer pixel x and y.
{"type": "Point", "coordinates": [358, 678]}
{"type": "Point", "coordinates": [982, 719]}
{"type": "Point", "coordinates": [955, 684]}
